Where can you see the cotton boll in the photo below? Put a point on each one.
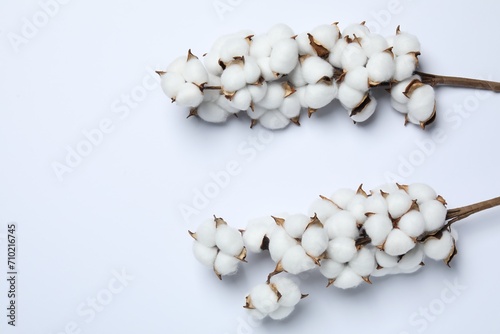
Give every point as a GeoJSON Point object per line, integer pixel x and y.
{"type": "Point", "coordinates": [171, 83]}
{"type": "Point", "coordinates": [350, 97]}
{"type": "Point", "coordinates": [251, 69]}
{"type": "Point", "coordinates": [398, 203]}
{"type": "Point", "coordinates": [381, 67]}
{"type": "Point", "coordinates": [353, 56]}
{"type": "Point", "coordinates": [233, 78]}
{"type": "Point", "coordinates": [357, 78]}
{"type": "Point", "coordinates": [398, 243]}
{"type": "Point", "coordinates": [335, 57]}
{"type": "Point", "coordinates": [357, 207]}
{"type": "Point", "coordinates": [326, 35]}
{"type": "Point", "coordinates": [342, 224]}
{"type": "Point", "coordinates": [242, 99]}
{"type": "Point", "coordinates": [264, 299]}
{"type": "Point", "coordinates": [281, 313]}
{"type": "Point", "coordinates": [212, 113]}
{"type": "Point", "coordinates": [410, 118]}
{"type": "Point", "coordinates": [331, 269]}
{"type": "Point", "coordinates": [234, 47]}
{"type": "Point", "coordinates": [315, 240]}
{"type": "Point", "coordinates": [195, 72]}
{"type": "Point", "coordinates": [398, 90]}
{"type": "Point", "coordinates": [323, 209]}
{"type": "Point", "coordinates": [274, 97]}
{"type": "Point", "coordinates": [225, 104]}
{"type": "Point", "coordinates": [205, 233]}
{"type": "Point", "coordinates": [211, 61]}
{"type": "Point", "coordinates": [296, 77]}
{"type": "Point", "coordinates": [278, 32]}
{"type": "Point", "coordinates": [296, 224]}
{"type": "Point", "coordinates": [439, 249]}
{"type": "Point", "coordinates": [257, 91]}
{"type": "Point", "coordinates": [412, 259]}
{"type": "Point", "coordinates": [260, 47]}
{"type": "Point", "coordinates": [385, 260]}
{"type": "Point", "coordinates": [177, 66]}
{"type": "Point", "coordinates": [302, 94]}
{"type": "Point", "coordinates": [274, 120]}
{"type": "Point", "coordinates": [360, 30]}
{"type": "Point", "coordinates": [225, 264]}
{"type": "Point", "coordinates": [205, 255]}
{"type": "Point", "coordinates": [341, 197]}
{"type": "Point", "coordinates": [412, 223]}
{"type": "Point", "coordinates": [211, 95]}
{"type": "Point", "coordinates": [304, 44]}
{"type": "Point", "coordinates": [284, 56]}
{"type": "Point", "coordinates": [421, 192]}
{"type": "Point", "coordinates": [290, 293]}
{"type": "Point", "coordinates": [257, 112]}
{"type": "Point", "coordinates": [363, 262]}
{"type": "Point", "coordinates": [378, 228]}
{"type": "Point", "coordinates": [320, 94]}
{"type": "Point", "coordinates": [279, 243]}
{"type": "Point", "coordinates": [315, 68]}
{"type": "Point", "coordinates": [291, 106]}
{"type": "Point", "coordinates": [296, 261]}
{"type": "Point", "coordinates": [348, 279]}
{"type": "Point", "coordinates": [265, 69]}
{"type": "Point", "coordinates": [405, 65]}
{"type": "Point", "coordinates": [256, 314]}
{"type": "Point", "coordinates": [386, 188]}
{"type": "Point", "coordinates": [256, 231]}
{"type": "Point", "coordinates": [401, 107]}
{"type": "Point", "coordinates": [229, 240]}
{"type": "Point", "coordinates": [405, 43]}
{"type": "Point", "coordinates": [376, 203]}
{"type": "Point", "coordinates": [189, 95]}
{"type": "Point", "coordinates": [434, 213]}
{"type": "Point", "coordinates": [374, 43]}
{"type": "Point", "coordinates": [365, 110]}
{"type": "Point", "coordinates": [422, 103]}
{"type": "Point", "coordinates": [381, 272]}
{"type": "Point", "coordinates": [341, 249]}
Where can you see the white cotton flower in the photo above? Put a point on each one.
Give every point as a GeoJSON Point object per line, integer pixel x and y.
{"type": "Point", "coordinates": [234, 47]}
{"type": "Point", "coordinates": [363, 262]}
{"type": "Point", "coordinates": [341, 197]}
{"type": "Point", "coordinates": [265, 69]}
{"type": "Point", "coordinates": [315, 240]}
{"type": "Point", "coordinates": [326, 35]}
{"type": "Point", "coordinates": [256, 314]}
{"type": "Point", "coordinates": [353, 56]}
{"type": "Point", "coordinates": [412, 223]}
{"type": "Point", "coordinates": [229, 240]}
{"type": "Point", "coordinates": [296, 77]}
{"type": "Point", "coordinates": [342, 224]}
{"type": "Point", "coordinates": [348, 279]}
{"type": "Point", "coordinates": [281, 313]}
{"type": "Point", "coordinates": [385, 260]}
{"type": "Point", "coordinates": [405, 43]}
{"type": "Point", "coordinates": [226, 264]}
{"type": "Point", "coordinates": [304, 44]}
{"type": "Point", "coordinates": [398, 90]}
{"type": "Point", "coordinates": [350, 97]}
{"type": "Point", "coordinates": [177, 66]}
{"type": "Point", "coordinates": [205, 255]}
{"type": "Point", "coordinates": [290, 107]}
{"type": "Point", "coordinates": [211, 112]}
{"type": "Point", "coordinates": [401, 107]}
{"type": "Point", "coordinates": [357, 206]}
{"type": "Point", "coordinates": [256, 231]}
{"type": "Point", "coordinates": [257, 112]}
{"type": "Point", "coordinates": [412, 259]}
{"type": "Point", "coordinates": [171, 83]}
{"type": "Point", "coordinates": [376, 203]}
{"type": "Point", "coordinates": [211, 62]}
{"type": "Point", "coordinates": [274, 97]}
{"type": "Point", "coordinates": [274, 120]}
{"type": "Point", "coordinates": [421, 192]}
{"type": "Point", "coordinates": [365, 110]}
{"type": "Point", "coordinates": [398, 203]}
{"type": "Point", "coordinates": [233, 78]}
{"type": "Point", "coordinates": [405, 65]}
{"type": "Point", "coordinates": [264, 299]}
{"type": "Point", "coordinates": [439, 249]}
{"type": "Point", "coordinates": [189, 95]}
{"type": "Point", "coordinates": [378, 227]}
{"type": "Point", "coordinates": [315, 68]}
{"type": "Point", "coordinates": [290, 292]}
{"type": "Point", "coordinates": [296, 261]}
{"type": "Point", "coordinates": [398, 243]}
{"type": "Point", "coordinates": [260, 47]}
{"type": "Point", "coordinates": [194, 71]}
{"type": "Point", "coordinates": [296, 224]}
{"type": "Point", "coordinates": [284, 56]}
{"type": "Point", "coordinates": [381, 67]}
{"type": "Point", "coordinates": [357, 78]}
{"type": "Point", "coordinates": [335, 57]}
{"type": "Point", "coordinates": [358, 29]}
{"type": "Point", "coordinates": [211, 95]}
{"type": "Point", "coordinates": [257, 91]}
{"type": "Point", "coordinates": [373, 43]}
{"type": "Point", "coordinates": [205, 233]}
{"type": "Point", "coordinates": [323, 209]}
{"type": "Point", "coordinates": [319, 95]}
{"type": "Point", "coordinates": [422, 103]}
{"type": "Point", "coordinates": [251, 70]}
{"type": "Point", "coordinates": [242, 99]}
{"type": "Point", "coordinates": [385, 271]}
{"type": "Point", "coordinates": [341, 249]}
{"type": "Point", "coordinates": [278, 32]}
{"type": "Point", "coordinates": [434, 213]}
{"type": "Point", "coordinates": [225, 104]}
{"type": "Point", "coordinates": [279, 243]}
{"type": "Point", "coordinates": [331, 269]}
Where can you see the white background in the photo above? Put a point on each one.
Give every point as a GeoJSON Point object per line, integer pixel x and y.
{"type": "Point", "coordinates": [119, 207]}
